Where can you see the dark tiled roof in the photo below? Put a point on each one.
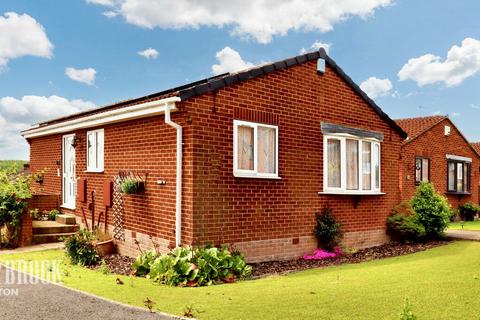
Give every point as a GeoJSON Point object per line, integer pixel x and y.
{"type": "Point", "coordinates": [417, 126]}
{"type": "Point", "coordinates": [215, 83]}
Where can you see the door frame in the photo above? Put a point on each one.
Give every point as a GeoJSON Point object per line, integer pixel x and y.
{"type": "Point", "coordinates": [70, 204]}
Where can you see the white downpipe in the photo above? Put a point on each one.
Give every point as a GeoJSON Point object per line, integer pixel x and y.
{"type": "Point", "coordinates": [178, 199]}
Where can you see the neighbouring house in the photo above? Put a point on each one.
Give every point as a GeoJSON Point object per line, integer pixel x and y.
{"type": "Point", "coordinates": [436, 151]}
{"type": "Point", "coordinates": [244, 158]}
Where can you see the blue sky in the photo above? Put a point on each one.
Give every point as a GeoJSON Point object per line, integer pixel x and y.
{"type": "Point", "coordinates": [100, 41]}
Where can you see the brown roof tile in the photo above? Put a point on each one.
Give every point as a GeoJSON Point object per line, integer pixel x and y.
{"type": "Point", "coordinates": [416, 126]}
{"type": "Point", "coordinates": [476, 146]}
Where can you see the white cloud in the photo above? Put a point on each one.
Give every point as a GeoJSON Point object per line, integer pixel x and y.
{"type": "Point", "coordinates": [86, 76]}
{"type": "Point", "coordinates": [18, 114]}
{"type": "Point", "coordinates": [375, 87]}
{"type": "Point", "coordinates": [257, 19]}
{"type": "Point", "coordinates": [229, 60]}
{"type": "Point", "coordinates": [475, 106]}
{"type": "Point", "coordinates": [455, 114]}
{"type": "Point", "coordinates": [149, 53]}
{"type": "Point", "coordinates": [316, 46]}
{"type": "Point", "coordinates": [21, 35]}
{"type": "Point", "coordinates": [461, 62]}
{"type": "Point", "coordinates": [110, 14]}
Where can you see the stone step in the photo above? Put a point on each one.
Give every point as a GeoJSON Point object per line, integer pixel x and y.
{"type": "Point", "coordinates": [52, 237]}
{"type": "Point", "coordinates": [52, 227]}
{"type": "Point", "coordinates": [66, 219]}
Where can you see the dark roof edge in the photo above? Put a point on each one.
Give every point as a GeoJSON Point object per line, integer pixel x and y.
{"type": "Point", "coordinates": [197, 88]}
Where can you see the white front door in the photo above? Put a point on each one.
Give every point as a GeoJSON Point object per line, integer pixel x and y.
{"type": "Point", "coordinates": [69, 182]}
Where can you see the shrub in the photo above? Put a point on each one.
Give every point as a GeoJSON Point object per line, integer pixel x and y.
{"type": "Point", "coordinates": [327, 230]}
{"type": "Point", "coordinates": [405, 228]}
{"type": "Point", "coordinates": [185, 266]}
{"type": "Point", "coordinates": [14, 193]}
{"type": "Point", "coordinates": [81, 249]}
{"type": "Point", "coordinates": [432, 209]}
{"type": "Point", "coordinates": [468, 211]}
{"type": "Point", "coordinates": [132, 186]}
{"type": "Point", "coordinates": [52, 215]}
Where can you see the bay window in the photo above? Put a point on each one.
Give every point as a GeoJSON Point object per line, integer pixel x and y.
{"type": "Point", "coordinates": [458, 174]}
{"type": "Point", "coordinates": [352, 165]}
{"type": "Point", "coordinates": [255, 150]}
{"type": "Point", "coordinates": [95, 150]}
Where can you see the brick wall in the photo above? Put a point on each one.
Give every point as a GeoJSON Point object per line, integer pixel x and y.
{"type": "Point", "coordinates": [277, 213]}
{"type": "Point", "coordinates": [267, 218]}
{"type": "Point", "coordinates": [435, 146]}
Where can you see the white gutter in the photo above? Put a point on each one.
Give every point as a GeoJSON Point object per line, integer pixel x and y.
{"type": "Point", "coordinates": [142, 110]}
{"type": "Point", "coordinates": [178, 199]}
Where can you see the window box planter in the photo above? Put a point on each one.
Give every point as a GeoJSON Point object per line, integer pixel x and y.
{"type": "Point", "coordinates": [132, 186]}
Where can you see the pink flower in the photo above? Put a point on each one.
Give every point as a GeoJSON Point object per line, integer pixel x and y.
{"type": "Point", "coordinates": [321, 254]}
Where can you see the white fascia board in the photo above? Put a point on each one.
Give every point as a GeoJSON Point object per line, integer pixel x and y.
{"type": "Point", "coordinates": [458, 158]}
{"type": "Point", "coordinates": [142, 110]}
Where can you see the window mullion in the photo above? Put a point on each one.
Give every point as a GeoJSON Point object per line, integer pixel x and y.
{"type": "Point", "coordinates": [343, 164]}
{"type": "Point", "coordinates": [360, 165]}
{"type": "Point", "coordinates": [255, 149]}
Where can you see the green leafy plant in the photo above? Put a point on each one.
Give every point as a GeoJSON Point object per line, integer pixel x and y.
{"type": "Point", "coordinates": [407, 313]}
{"type": "Point", "coordinates": [80, 248]}
{"type": "Point", "coordinates": [468, 211]}
{"type": "Point", "coordinates": [132, 186]}
{"type": "Point", "coordinates": [34, 213]}
{"type": "Point", "coordinates": [52, 215]}
{"type": "Point", "coordinates": [185, 266]}
{"type": "Point", "coordinates": [405, 228]}
{"type": "Point", "coordinates": [14, 195]}
{"type": "Point", "coordinates": [327, 230]}
{"type": "Point", "coordinates": [432, 209]}
{"type": "Point", "coordinates": [104, 268]}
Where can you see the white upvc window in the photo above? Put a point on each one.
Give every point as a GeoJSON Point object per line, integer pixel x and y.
{"type": "Point", "coordinates": [95, 150]}
{"type": "Point", "coordinates": [255, 150]}
{"type": "Point", "coordinates": [351, 165]}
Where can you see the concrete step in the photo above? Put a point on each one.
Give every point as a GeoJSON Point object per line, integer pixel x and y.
{"type": "Point", "coordinates": [49, 227]}
{"type": "Point", "coordinates": [52, 237]}
{"type": "Point", "coordinates": [66, 219]}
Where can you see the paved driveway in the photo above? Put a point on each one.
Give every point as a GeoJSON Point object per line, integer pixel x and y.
{"type": "Point", "coordinates": [52, 302]}
{"type": "Point", "coordinates": [463, 235]}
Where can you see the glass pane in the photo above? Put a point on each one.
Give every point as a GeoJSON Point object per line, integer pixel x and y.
{"type": "Point", "coordinates": [333, 163]}
{"type": "Point", "coordinates": [266, 150]}
{"type": "Point", "coordinates": [377, 166]}
{"type": "Point", "coordinates": [245, 148]}
{"type": "Point", "coordinates": [451, 176]}
{"type": "Point", "coordinates": [91, 150]}
{"type": "Point", "coordinates": [425, 170]}
{"type": "Point", "coordinates": [100, 144]}
{"type": "Point", "coordinates": [418, 170]}
{"type": "Point", "coordinates": [367, 165]}
{"type": "Point", "coordinates": [352, 164]}
{"type": "Point", "coordinates": [460, 177]}
{"type": "Point", "coordinates": [466, 176]}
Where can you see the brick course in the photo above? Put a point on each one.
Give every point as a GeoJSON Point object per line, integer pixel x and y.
{"type": "Point", "coordinates": [219, 208]}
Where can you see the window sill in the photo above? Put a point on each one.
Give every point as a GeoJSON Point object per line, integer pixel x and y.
{"type": "Point", "coordinates": [349, 193]}
{"type": "Point", "coordinates": [459, 193]}
{"type": "Point", "coordinates": [240, 175]}
{"type": "Point", "coordinates": [67, 206]}
{"type": "Point", "coordinates": [94, 171]}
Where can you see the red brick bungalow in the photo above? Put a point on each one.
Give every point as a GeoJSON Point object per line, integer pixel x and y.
{"type": "Point", "coordinates": [246, 158]}
{"type": "Point", "coordinates": [437, 151]}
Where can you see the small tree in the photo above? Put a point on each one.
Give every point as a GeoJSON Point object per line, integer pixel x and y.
{"type": "Point", "coordinates": [327, 230]}
{"type": "Point", "coordinates": [433, 210]}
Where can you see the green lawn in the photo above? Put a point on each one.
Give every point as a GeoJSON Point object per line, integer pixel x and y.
{"type": "Point", "coordinates": [471, 225]}
{"type": "Point", "coordinates": [442, 283]}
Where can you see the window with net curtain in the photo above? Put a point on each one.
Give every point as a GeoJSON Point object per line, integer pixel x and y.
{"type": "Point", "coordinates": [352, 165]}
{"type": "Point", "coordinates": [256, 149]}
